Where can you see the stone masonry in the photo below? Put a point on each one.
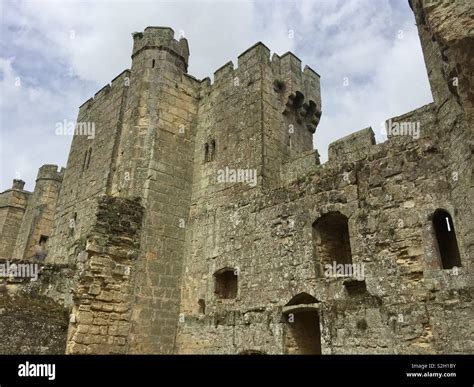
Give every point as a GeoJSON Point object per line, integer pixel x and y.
{"type": "Point", "coordinates": [199, 219]}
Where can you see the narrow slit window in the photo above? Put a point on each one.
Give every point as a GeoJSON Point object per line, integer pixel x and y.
{"type": "Point", "coordinates": [206, 152]}
{"type": "Point", "coordinates": [213, 149]}
{"type": "Point", "coordinates": [446, 238]}
{"type": "Point", "coordinates": [85, 161]}
{"type": "Point", "coordinates": [89, 158]}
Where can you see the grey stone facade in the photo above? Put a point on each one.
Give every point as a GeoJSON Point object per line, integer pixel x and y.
{"type": "Point", "coordinates": [199, 219]}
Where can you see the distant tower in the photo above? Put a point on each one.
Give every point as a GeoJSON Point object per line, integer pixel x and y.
{"type": "Point", "coordinates": [37, 223]}
{"type": "Point", "coordinates": [13, 204]}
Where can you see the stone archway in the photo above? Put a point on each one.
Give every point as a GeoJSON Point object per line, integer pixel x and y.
{"type": "Point", "coordinates": [302, 326]}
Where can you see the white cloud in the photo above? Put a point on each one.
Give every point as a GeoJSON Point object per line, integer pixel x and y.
{"type": "Point", "coordinates": [65, 51]}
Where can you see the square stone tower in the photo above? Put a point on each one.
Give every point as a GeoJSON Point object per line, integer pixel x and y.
{"type": "Point", "coordinates": [163, 139]}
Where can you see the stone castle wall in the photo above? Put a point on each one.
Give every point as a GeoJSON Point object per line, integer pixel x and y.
{"type": "Point", "coordinates": [389, 198]}
{"type": "Point", "coordinates": [87, 175]}
{"type": "Point", "coordinates": [152, 252]}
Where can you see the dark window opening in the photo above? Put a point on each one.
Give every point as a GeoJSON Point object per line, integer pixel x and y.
{"type": "Point", "coordinates": [446, 237]}
{"type": "Point", "coordinates": [213, 150]}
{"type": "Point", "coordinates": [89, 158]}
{"type": "Point", "coordinates": [40, 249]}
{"type": "Point", "coordinates": [209, 151]}
{"type": "Point", "coordinates": [331, 242]}
{"type": "Point", "coordinates": [206, 152]}
{"type": "Point", "coordinates": [153, 64]}
{"type": "Point", "coordinates": [355, 287]}
{"type": "Point", "coordinates": [202, 306]}
{"type": "Point", "coordinates": [43, 239]}
{"type": "Point", "coordinates": [85, 161]}
{"type": "Point", "coordinates": [298, 100]}
{"type": "Point", "coordinates": [226, 283]}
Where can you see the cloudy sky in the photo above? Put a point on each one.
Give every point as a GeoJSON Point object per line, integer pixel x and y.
{"type": "Point", "coordinates": [56, 55]}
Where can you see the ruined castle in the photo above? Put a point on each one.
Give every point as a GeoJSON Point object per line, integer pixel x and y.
{"type": "Point", "coordinates": [199, 219]}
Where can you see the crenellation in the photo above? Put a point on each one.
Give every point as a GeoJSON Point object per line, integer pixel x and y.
{"type": "Point", "coordinates": [102, 92]}
{"type": "Point", "coordinates": [290, 63]}
{"type": "Point", "coordinates": [121, 78]}
{"type": "Point", "coordinates": [18, 184]}
{"type": "Point", "coordinates": [256, 54]}
{"type": "Point", "coordinates": [224, 72]}
{"type": "Point", "coordinates": [50, 172]}
{"type": "Point", "coordinates": [355, 146]}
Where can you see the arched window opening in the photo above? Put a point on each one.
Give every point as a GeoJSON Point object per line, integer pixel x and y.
{"type": "Point", "coordinates": [202, 306]}
{"type": "Point", "coordinates": [331, 242]}
{"type": "Point", "coordinates": [446, 238]}
{"type": "Point", "coordinates": [226, 284]}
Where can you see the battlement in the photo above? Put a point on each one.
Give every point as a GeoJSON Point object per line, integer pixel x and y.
{"type": "Point", "coordinates": [161, 38]}
{"type": "Point", "coordinates": [18, 184]}
{"type": "Point", "coordinates": [354, 146]}
{"type": "Point", "coordinates": [121, 80]}
{"type": "Point", "coordinates": [50, 172]}
{"type": "Point", "coordinates": [286, 69]}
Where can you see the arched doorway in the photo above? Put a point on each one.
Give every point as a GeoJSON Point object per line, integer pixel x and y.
{"type": "Point", "coordinates": [303, 333]}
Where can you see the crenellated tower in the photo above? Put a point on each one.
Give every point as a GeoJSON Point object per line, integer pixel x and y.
{"type": "Point", "coordinates": [37, 223]}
